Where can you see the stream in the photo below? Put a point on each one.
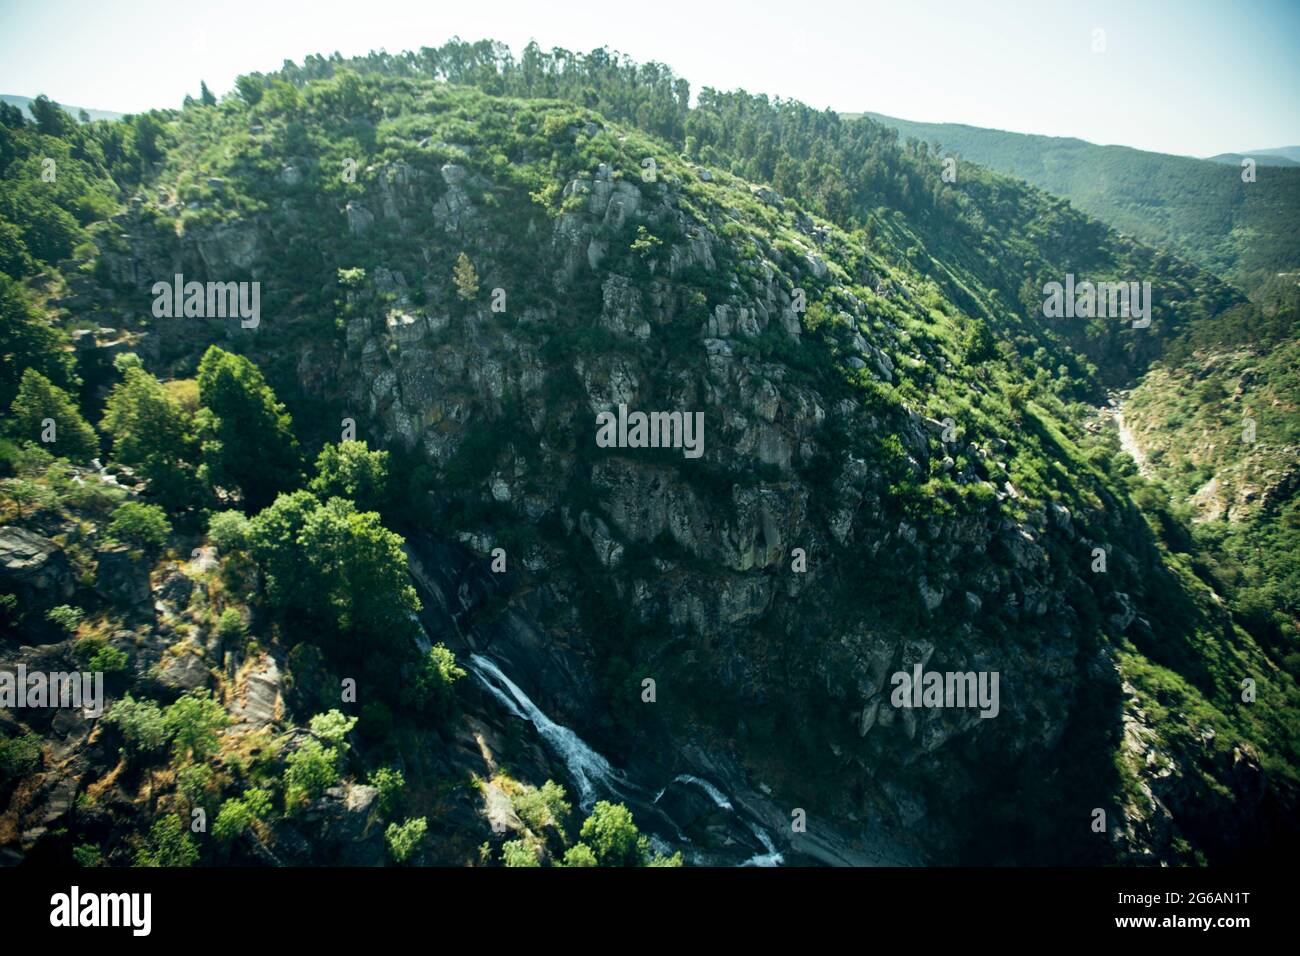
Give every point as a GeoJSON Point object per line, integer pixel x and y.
{"type": "Point", "coordinates": [595, 777]}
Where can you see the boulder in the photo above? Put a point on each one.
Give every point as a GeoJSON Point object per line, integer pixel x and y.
{"type": "Point", "coordinates": [34, 568]}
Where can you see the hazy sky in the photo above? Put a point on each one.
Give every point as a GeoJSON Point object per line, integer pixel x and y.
{"type": "Point", "coordinates": [1180, 76]}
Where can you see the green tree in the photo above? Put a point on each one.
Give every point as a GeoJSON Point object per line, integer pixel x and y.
{"type": "Point", "coordinates": [978, 344]}
{"type": "Point", "coordinates": [247, 441]}
{"type": "Point", "coordinates": [205, 95]}
{"type": "Point", "coordinates": [465, 277]}
{"type": "Point", "coordinates": [350, 470]}
{"type": "Point", "coordinates": [273, 540]}
{"type": "Point", "coordinates": [51, 119]}
{"type": "Point", "coordinates": [613, 836]}
{"type": "Point", "coordinates": [39, 400]}
{"type": "Point", "coordinates": [250, 87]}
{"type": "Point", "coordinates": [360, 579]}
{"type": "Point", "coordinates": [193, 722]}
{"type": "Point", "coordinates": [24, 493]}
{"type": "Point", "coordinates": [140, 526]}
{"type": "Point", "coordinates": [29, 343]}
{"type": "Point", "coordinates": [152, 434]}
{"type": "Point", "coordinates": [338, 569]}
{"type": "Point", "coordinates": [229, 531]}
{"type": "Point", "coordinates": [141, 723]}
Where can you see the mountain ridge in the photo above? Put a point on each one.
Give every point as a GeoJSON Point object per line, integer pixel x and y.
{"type": "Point", "coordinates": [882, 393]}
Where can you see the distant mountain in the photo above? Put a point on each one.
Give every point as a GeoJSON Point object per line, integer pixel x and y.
{"type": "Point", "coordinates": [1286, 152]}
{"type": "Point", "coordinates": [1246, 232]}
{"type": "Point", "coordinates": [1262, 157]}
{"type": "Point", "coordinates": [24, 103]}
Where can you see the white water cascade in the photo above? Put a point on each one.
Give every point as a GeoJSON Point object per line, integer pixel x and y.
{"type": "Point", "coordinates": [771, 857]}
{"type": "Point", "coordinates": [588, 768]}
{"type": "Point", "coordinates": [590, 771]}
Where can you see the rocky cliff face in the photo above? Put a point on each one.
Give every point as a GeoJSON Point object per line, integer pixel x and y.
{"type": "Point", "coordinates": [836, 530]}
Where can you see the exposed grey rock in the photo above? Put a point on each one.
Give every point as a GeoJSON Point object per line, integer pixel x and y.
{"type": "Point", "coordinates": [122, 577]}
{"type": "Point", "coordinates": [35, 568]}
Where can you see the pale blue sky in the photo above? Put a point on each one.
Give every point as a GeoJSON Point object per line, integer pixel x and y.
{"type": "Point", "coordinates": [1181, 76]}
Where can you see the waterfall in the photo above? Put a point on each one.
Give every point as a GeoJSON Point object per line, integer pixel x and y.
{"type": "Point", "coordinates": [591, 772]}
{"type": "Point", "coordinates": [589, 769]}
{"type": "Point", "coordinates": [771, 857]}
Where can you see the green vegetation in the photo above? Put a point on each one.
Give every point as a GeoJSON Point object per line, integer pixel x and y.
{"type": "Point", "coordinates": [351, 470]}
{"type": "Point", "coordinates": [169, 845]}
{"type": "Point", "coordinates": [404, 839]}
{"type": "Point", "coordinates": [247, 444]}
{"type": "Point", "coordinates": [43, 411]}
{"type": "Point", "coordinates": [140, 526]}
{"type": "Point", "coordinates": [923, 318]}
{"type": "Point", "coordinates": [1199, 208]}
{"type": "Point", "coordinates": [431, 689]}
{"type": "Point", "coordinates": [152, 434]}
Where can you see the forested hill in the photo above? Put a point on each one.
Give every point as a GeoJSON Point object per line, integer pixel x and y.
{"type": "Point", "coordinates": [1198, 208]}
{"type": "Point", "coordinates": [988, 241]}
{"type": "Point", "coordinates": [391, 476]}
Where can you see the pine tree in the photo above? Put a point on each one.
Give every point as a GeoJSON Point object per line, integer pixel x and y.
{"type": "Point", "coordinates": [44, 412]}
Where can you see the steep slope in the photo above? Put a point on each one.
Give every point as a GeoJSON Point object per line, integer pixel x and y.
{"type": "Point", "coordinates": [1199, 209]}
{"type": "Point", "coordinates": [882, 484]}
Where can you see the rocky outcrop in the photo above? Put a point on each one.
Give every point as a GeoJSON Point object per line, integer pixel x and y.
{"type": "Point", "coordinates": [34, 568]}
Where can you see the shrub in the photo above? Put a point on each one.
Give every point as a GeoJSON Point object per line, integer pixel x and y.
{"type": "Point", "coordinates": [390, 783]}
{"type": "Point", "coordinates": [519, 853]}
{"type": "Point", "coordinates": [541, 806]}
{"type": "Point", "coordinates": [432, 688]}
{"type": "Point", "coordinates": [579, 855]}
{"type": "Point", "coordinates": [87, 854]}
{"type": "Point", "coordinates": [239, 813]}
{"type": "Point", "coordinates": [403, 839]}
{"type": "Point", "coordinates": [230, 627]}
{"type": "Point", "coordinates": [309, 771]}
{"type": "Point", "coordinates": [94, 653]}
{"type": "Point", "coordinates": [168, 845]}
{"type": "Point", "coordinates": [65, 616]}
{"type": "Point", "coordinates": [193, 722]}
{"type": "Point", "coordinates": [333, 728]}
{"type": "Point", "coordinates": [193, 781]}
{"type": "Point", "coordinates": [140, 526]}
{"type": "Point", "coordinates": [19, 756]}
